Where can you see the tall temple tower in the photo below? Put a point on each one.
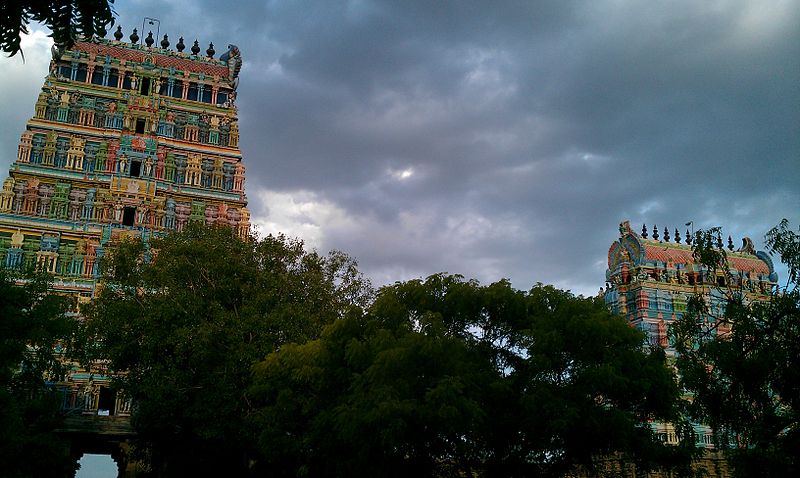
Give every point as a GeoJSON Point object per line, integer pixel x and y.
{"type": "Point", "coordinates": [126, 139]}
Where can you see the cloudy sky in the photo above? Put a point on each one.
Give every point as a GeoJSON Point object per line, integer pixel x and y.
{"type": "Point", "coordinates": [494, 139]}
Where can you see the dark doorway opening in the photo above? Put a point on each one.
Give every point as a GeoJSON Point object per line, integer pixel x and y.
{"type": "Point", "coordinates": [136, 169]}
{"type": "Point", "coordinates": [106, 401]}
{"type": "Point", "coordinates": [145, 86]}
{"type": "Point", "coordinates": [128, 216]}
{"type": "Point", "coordinates": [140, 124]}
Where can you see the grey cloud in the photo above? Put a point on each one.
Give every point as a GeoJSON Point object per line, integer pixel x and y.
{"type": "Point", "coordinates": [528, 130]}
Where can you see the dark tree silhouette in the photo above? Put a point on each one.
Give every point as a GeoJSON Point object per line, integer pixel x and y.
{"type": "Point", "coordinates": [745, 384]}
{"type": "Point", "coordinates": [66, 19]}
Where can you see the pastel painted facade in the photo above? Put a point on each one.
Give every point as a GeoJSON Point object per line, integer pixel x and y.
{"type": "Point", "coordinates": [650, 279]}
{"type": "Point", "coordinates": [126, 139]}
{"type": "Point", "coordinates": [652, 275]}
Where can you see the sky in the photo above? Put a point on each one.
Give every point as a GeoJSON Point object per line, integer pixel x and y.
{"type": "Point", "coordinates": [502, 139]}
{"type": "Point", "coordinates": [96, 466]}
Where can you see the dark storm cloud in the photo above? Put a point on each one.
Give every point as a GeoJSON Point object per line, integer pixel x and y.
{"type": "Point", "coordinates": [507, 139]}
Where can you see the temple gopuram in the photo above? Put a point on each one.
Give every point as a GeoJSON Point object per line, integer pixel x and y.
{"type": "Point", "coordinates": [650, 279]}
{"type": "Point", "coordinates": [127, 139]}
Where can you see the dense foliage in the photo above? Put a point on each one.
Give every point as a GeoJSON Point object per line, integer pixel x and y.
{"type": "Point", "coordinates": [258, 358]}
{"type": "Point", "coordinates": [444, 377]}
{"type": "Point", "coordinates": [31, 321]}
{"type": "Point", "coordinates": [186, 326]}
{"type": "Point", "coordinates": [746, 383]}
{"type": "Point", "coordinates": [66, 19]}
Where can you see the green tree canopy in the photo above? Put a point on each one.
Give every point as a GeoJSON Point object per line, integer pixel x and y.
{"type": "Point", "coordinates": [31, 323]}
{"type": "Point", "coordinates": [445, 377]}
{"type": "Point", "coordinates": [746, 383]}
{"type": "Point", "coordinates": [186, 326]}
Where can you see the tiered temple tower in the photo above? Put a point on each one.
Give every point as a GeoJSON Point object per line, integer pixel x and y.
{"type": "Point", "coordinates": [650, 280]}
{"type": "Point", "coordinates": [126, 139]}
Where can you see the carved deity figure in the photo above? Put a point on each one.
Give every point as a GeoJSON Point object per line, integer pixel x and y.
{"type": "Point", "coordinates": [123, 165]}
{"type": "Point", "coordinates": [217, 174]}
{"type": "Point", "coordinates": [88, 206]}
{"type": "Point", "coordinates": [169, 214]}
{"type": "Point", "coordinates": [180, 169]}
{"type": "Point", "coordinates": [17, 239]}
{"type": "Point", "coordinates": [625, 228]}
{"type": "Point", "coordinates": [132, 188]}
{"type": "Point", "coordinates": [233, 58]}
{"type": "Point", "coordinates": [100, 157]}
{"type": "Point", "coordinates": [103, 206]}
{"type": "Point", "coordinates": [48, 159]}
{"type": "Point", "coordinates": [76, 200]}
{"type": "Point", "coordinates": [19, 193]}
{"type": "Point", "coordinates": [31, 201]}
{"type": "Point", "coordinates": [91, 254]}
{"type": "Point", "coordinates": [64, 99]}
{"type": "Point", "coordinates": [169, 168]}
{"type": "Point", "coordinates": [118, 211]}
{"type": "Point", "coordinates": [244, 222]}
{"type": "Point", "coordinates": [111, 161]}
{"type": "Point", "coordinates": [159, 172]}
{"type": "Point", "coordinates": [45, 195]}
{"type": "Point", "coordinates": [222, 213]}
{"type": "Point", "coordinates": [88, 396]}
{"type": "Point", "coordinates": [182, 211]}
{"type": "Point", "coordinates": [141, 214]}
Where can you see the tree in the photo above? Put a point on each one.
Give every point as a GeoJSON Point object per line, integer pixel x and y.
{"type": "Point", "coordinates": [67, 20]}
{"type": "Point", "coordinates": [371, 398]}
{"type": "Point", "coordinates": [31, 323]}
{"type": "Point", "coordinates": [445, 377]}
{"type": "Point", "coordinates": [745, 383]}
{"type": "Point", "coordinates": [185, 321]}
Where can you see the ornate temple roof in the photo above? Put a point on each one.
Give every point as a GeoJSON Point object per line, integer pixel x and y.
{"type": "Point", "coordinates": [664, 252]}
{"type": "Point", "coordinates": [638, 250]}
{"type": "Point", "coordinates": [178, 61]}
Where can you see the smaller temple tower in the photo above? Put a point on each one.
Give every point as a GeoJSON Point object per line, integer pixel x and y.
{"type": "Point", "coordinates": [650, 279]}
